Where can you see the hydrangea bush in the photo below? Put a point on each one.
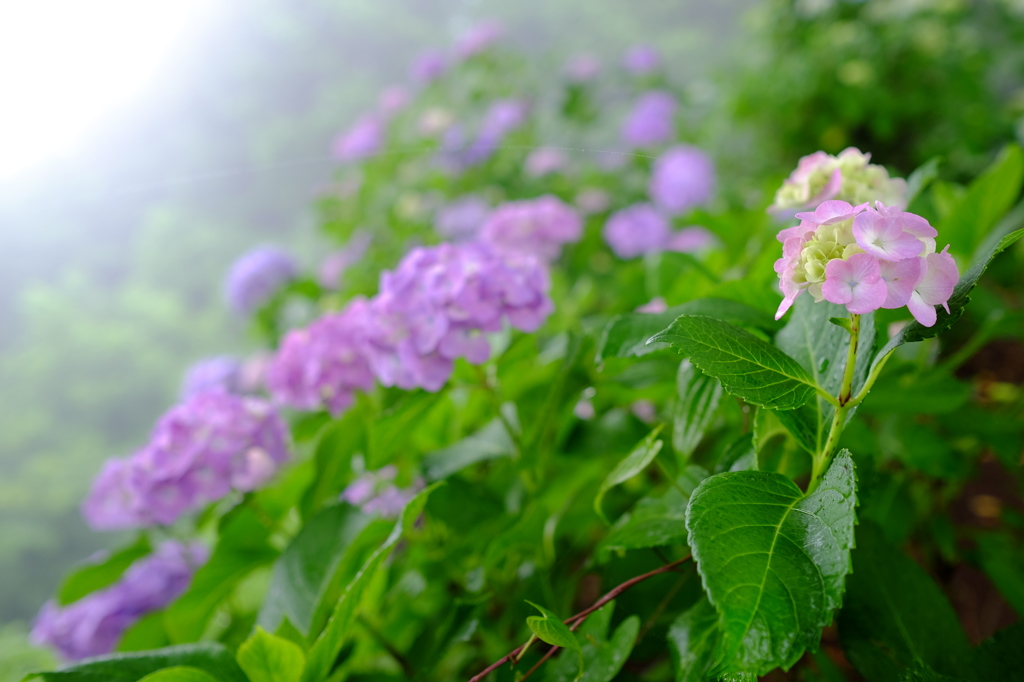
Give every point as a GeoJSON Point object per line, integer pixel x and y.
{"type": "Point", "coordinates": [546, 416]}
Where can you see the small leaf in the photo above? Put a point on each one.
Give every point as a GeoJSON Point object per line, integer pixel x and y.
{"type": "Point", "coordinates": [635, 462]}
{"type": "Point", "coordinates": [895, 615]}
{"type": "Point", "coordinates": [266, 658]}
{"type": "Point", "coordinates": [694, 638]}
{"type": "Point", "coordinates": [627, 335]}
{"type": "Point", "coordinates": [842, 323]}
{"type": "Point", "coordinates": [550, 629]}
{"type": "Point", "coordinates": [773, 560]}
{"type": "Point", "coordinates": [1003, 562]}
{"type": "Point", "coordinates": [699, 396]}
{"type": "Point", "coordinates": [179, 673]}
{"type": "Point", "coordinates": [915, 331]}
{"type": "Point", "coordinates": [747, 366]}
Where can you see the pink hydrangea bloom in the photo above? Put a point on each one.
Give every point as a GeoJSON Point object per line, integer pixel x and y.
{"type": "Point", "coordinates": [583, 68]}
{"type": "Point", "coordinates": [655, 305]}
{"type": "Point", "coordinates": [849, 177]}
{"type": "Point", "coordinates": [393, 99]}
{"type": "Point", "coordinates": [543, 161]}
{"type": "Point", "coordinates": [865, 258]}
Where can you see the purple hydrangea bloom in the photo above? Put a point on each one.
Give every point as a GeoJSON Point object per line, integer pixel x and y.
{"type": "Point", "coordinates": [691, 239]}
{"type": "Point", "coordinates": [461, 219]}
{"type": "Point", "coordinates": [362, 140]}
{"type": "Point", "coordinates": [93, 625]}
{"type": "Point", "coordinates": [683, 178]}
{"type": "Point", "coordinates": [536, 226]}
{"type": "Point", "coordinates": [434, 306]}
{"type": "Point", "coordinates": [374, 493]}
{"type": "Point", "coordinates": [636, 230]}
{"type": "Point", "coordinates": [651, 120]}
{"type": "Point", "coordinates": [199, 451]}
{"type": "Point", "coordinates": [478, 38]}
{"type": "Point", "coordinates": [256, 277]}
{"type": "Point", "coordinates": [325, 363]}
{"type": "Point", "coordinates": [504, 116]}
{"type": "Point", "coordinates": [428, 67]}
{"type": "Point", "coordinates": [641, 59]}
{"type": "Point", "coordinates": [224, 372]}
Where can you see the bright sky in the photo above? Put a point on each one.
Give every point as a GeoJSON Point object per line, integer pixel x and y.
{"type": "Point", "coordinates": [68, 66]}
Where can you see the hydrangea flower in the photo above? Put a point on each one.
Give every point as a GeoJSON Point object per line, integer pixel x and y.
{"type": "Point", "coordinates": [478, 38]}
{"type": "Point", "coordinates": [536, 226]}
{"type": "Point", "coordinates": [93, 625]}
{"type": "Point", "coordinates": [848, 177]}
{"type": "Point", "coordinates": [223, 372]}
{"type": "Point", "coordinates": [375, 493]}
{"type": "Point", "coordinates": [691, 239]}
{"type": "Point", "coordinates": [256, 276]}
{"type": "Point", "coordinates": [362, 140]}
{"type": "Point", "coordinates": [641, 59]}
{"type": "Point", "coordinates": [428, 67]}
{"type": "Point", "coordinates": [325, 363]}
{"type": "Point", "coordinates": [462, 218]}
{"type": "Point", "coordinates": [543, 161]}
{"type": "Point", "coordinates": [650, 122]}
{"type": "Point", "coordinates": [591, 201]}
{"type": "Point", "coordinates": [434, 307]}
{"type": "Point", "coordinates": [682, 179]}
{"type": "Point", "coordinates": [636, 230]}
{"type": "Point", "coordinates": [199, 451]}
{"type": "Point", "coordinates": [393, 99]}
{"type": "Point", "coordinates": [655, 305]}
{"type": "Point", "coordinates": [865, 258]}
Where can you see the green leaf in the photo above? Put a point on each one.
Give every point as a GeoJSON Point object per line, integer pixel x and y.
{"type": "Point", "coordinates": [603, 658]}
{"type": "Point", "coordinates": [210, 658]}
{"type": "Point", "coordinates": [781, 449]}
{"type": "Point", "coordinates": [490, 442]}
{"type": "Point", "coordinates": [915, 331]}
{"type": "Point", "coordinates": [894, 615]}
{"type": "Point", "coordinates": [627, 335]}
{"type": "Point", "coordinates": [327, 646]}
{"type": "Point", "coordinates": [95, 575]}
{"type": "Point", "coordinates": [1003, 562]}
{"type": "Point", "coordinates": [699, 396]}
{"type": "Point", "coordinates": [693, 638]}
{"type": "Point", "coordinates": [989, 197]}
{"type": "Point", "coordinates": [655, 520]}
{"type": "Point", "coordinates": [747, 366]}
{"type": "Point", "coordinates": [1001, 657]}
{"type": "Point", "coordinates": [179, 674]}
{"type": "Point", "coordinates": [548, 628]}
{"type": "Point", "coordinates": [635, 462]}
{"type": "Point", "coordinates": [773, 560]}
{"type": "Point", "coordinates": [922, 176]}
{"type": "Point", "coordinates": [266, 658]}
{"type": "Point", "coordinates": [338, 441]}
{"type": "Point", "coordinates": [302, 573]}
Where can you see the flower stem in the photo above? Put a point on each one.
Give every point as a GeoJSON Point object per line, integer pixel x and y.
{"type": "Point", "coordinates": [843, 405]}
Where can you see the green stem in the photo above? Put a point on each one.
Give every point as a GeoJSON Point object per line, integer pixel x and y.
{"type": "Point", "coordinates": [842, 406]}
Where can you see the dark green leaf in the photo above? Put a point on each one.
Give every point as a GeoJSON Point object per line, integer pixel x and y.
{"type": "Point", "coordinates": [302, 573]}
{"type": "Point", "coordinates": [799, 423]}
{"type": "Point", "coordinates": [989, 197]}
{"type": "Point", "coordinates": [773, 560]}
{"type": "Point", "coordinates": [694, 638]}
{"type": "Point", "coordinates": [635, 462]}
{"type": "Point", "coordinates": [747, 366]}
{"type": "Point", "coordinates": [699, 395]}
{"type": "Point", "coordinates": [549, 628]}
{"type": "Point", "coordinates": [1003, 562]}
{"type": "Point", "coordinates": [325, 649]}
{"type": "Point", "coordinates": [1000, 657]}
{"type": "Point", "coordinates": [656, 520]}
{"type": "Point", "coordinates": [97, 574]}
{"type": "Point", "coordinates": [894, 615]}
{"type": "Point", "coordinates": [266, 658]}
{"type": "Point", "coordinates": [627, 334]}
{"type": "Point", "coordinates": [490, 442]}
{"type": "Point", "coordinates": [339, 440]}
{"type": "Point", "coordinates": [915, 331]}
{"type": "Point", "coordinates": [211, 658]}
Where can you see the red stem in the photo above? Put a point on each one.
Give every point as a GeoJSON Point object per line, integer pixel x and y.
{"type": "Point", "coordinates": [575, 621]}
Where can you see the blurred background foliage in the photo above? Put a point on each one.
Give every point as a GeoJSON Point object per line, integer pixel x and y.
{"type": "Point", "coordinates": [112, 265]}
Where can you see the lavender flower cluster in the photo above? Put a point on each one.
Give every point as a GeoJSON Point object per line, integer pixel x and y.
{"type": "Point", "coordinates": [256, 277]}
{"type": "Point", "coordinates": [434, 308]}
{"type": "Point", "coordinates": [210, 444]}
{"type": "Point", "coordinates": [375, 493]}
{"type": "Point", "coordinates": [94, 624]}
